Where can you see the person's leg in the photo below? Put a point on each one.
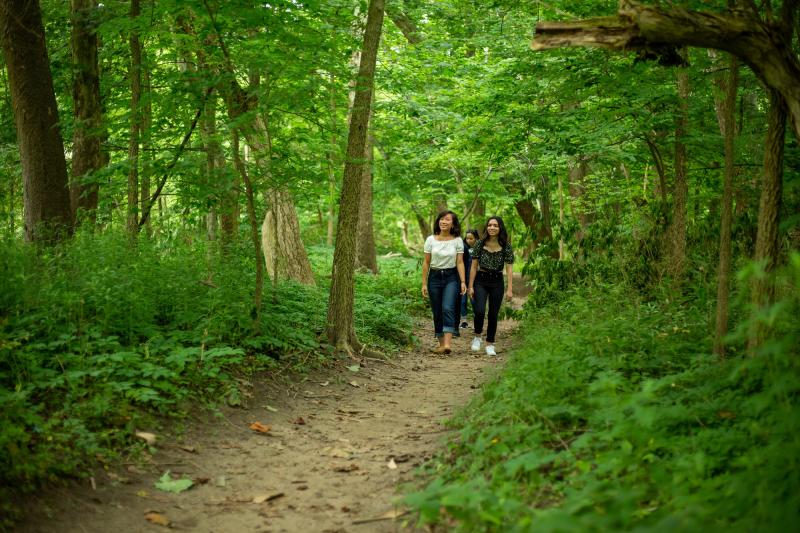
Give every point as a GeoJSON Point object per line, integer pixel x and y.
{"type": "Point", "coordinates": [479, 306]}
{"type": "Point", "coordinates": [495, 301]}
{"type": "Point", "coordinates": [449, 319]}
{"type": "Point", "coordinates": [464, 299]}
{"type": "Point", "coordinates": [435, 290]}
{"type": "Point", "coordinates": [458, 303]}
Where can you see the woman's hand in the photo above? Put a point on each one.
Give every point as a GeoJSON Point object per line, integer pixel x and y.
{"type": "Point", "coordinates": [471, 292]}
{"type": "Point", "coordinates": [463, 288]}
{"type": "Point", "coordinates": [509, 294]}
{"type": "Point", "coordinates": [424, 291]}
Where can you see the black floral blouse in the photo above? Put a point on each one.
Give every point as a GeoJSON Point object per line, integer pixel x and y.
{"type": "Point", "coordinates": [492, 260]}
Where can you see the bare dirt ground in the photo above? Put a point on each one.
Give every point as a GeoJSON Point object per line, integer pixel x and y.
{"type": "Point", "coordinates": [338, 447]}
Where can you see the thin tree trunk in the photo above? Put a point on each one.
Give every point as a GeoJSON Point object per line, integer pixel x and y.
{"type": "Point", "coordinates": [422, 222]}
{"type": "Point", "coordinates": [763, 288]}
{"type": "Point", "coordinates": [48, 214]}
{"type": "Point", "coordinates": [561, 250]}
{"type": "Point", "coordinates": [135, 74]}
{"type": "Point", "coordinates": [727, 120]}
{"type": "Point", "coordinates": [86, 138]}
{"type": "Point", "coordinates": [330, 156]}
{"type": "Point", "coordinates": [251, 217]}
{"type": "Point", "coordinates": [366, 257]}
{"type": "Point", "coordinates": [340, 322]}
{"type": "Point", "coordinates": [677, 257]}
{"type": "Point", "coordinates": [146, 138]}
{"type": "Point", "coordinates": [577, 190]}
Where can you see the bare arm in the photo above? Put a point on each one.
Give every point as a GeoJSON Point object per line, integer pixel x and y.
{"type": "Point", "coordinates": [473, 270]}
{"type": "Point", "coordinates": [510, 275]}
{"type": "Point", "coordinates": [460, 268]}
{"type": "Point", "coordinates": [426, 266]}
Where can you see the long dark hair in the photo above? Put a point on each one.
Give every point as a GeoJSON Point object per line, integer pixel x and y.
{"type": "Point", "coordinates": [455, 229]}
{"type": "Point", "coordinates": [502, 236]}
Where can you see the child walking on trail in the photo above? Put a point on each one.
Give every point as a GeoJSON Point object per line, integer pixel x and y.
{"type": "Point", "coordinates": [443, 277]}
{"type": "Point", "coordinates": [489, 256]}
{"type": "Point", "coordinates": [470, 238]}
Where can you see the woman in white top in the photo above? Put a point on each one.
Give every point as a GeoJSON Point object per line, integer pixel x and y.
{"type": "Point", "coordinates": [443, 276]}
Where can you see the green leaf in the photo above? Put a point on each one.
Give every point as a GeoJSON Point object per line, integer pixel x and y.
{"type": "Point", "coordinates": [167, 484]}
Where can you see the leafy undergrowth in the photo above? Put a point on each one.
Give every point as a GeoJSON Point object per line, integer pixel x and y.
{"type": "Point", "coordinates": [97, 339]}
{"type": "Point", "coordinates": [612, 415]}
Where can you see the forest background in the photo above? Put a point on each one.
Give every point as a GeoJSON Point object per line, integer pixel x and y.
{"type": "Point", "coordinates": [187, 150]}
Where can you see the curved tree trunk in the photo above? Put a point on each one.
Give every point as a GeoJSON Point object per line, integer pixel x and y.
{"type": "Point", "coordinates": [763, 45]}
{"type": "Point", "coordinates": [87, 136]}
{"type": "Point", "coordinates": [340, 328]}
{"type": "Point", "coordinates": [48, 215]}
{"type": "Point", "coordinates": [763, 289]}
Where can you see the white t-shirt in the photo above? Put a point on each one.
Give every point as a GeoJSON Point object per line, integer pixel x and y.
{"type": "Point", "coordinates": [443, 253]}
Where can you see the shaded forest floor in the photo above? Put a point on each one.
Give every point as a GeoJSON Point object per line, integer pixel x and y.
{"type": "Point", "coordinates": [340, 443]}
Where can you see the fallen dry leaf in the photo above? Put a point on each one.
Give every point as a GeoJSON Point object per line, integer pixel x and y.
{"type": "Point", "coordinates": [267, 497]}
{"type": "Point", "coordinates": [202, 480]}
{"type": "Point", "coordinates": [391, 464]}
{"type": "Point", "coordinates": [392, 514]}
{"type": "Point", "coordinates": [355, 384]}
{"type": "Point", "coordinates": [149, 438]}
{"type": "Point", "coordinates": [260, 428]}
{"type": "Point", "coordinates": [189, 449]}
{"type": "Point", "coordinates": [299, 421]}
{"type": "Point", "coordinates": [156, 518]}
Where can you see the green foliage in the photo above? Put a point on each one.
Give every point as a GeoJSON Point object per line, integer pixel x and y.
{"type": "Point", "coordinates": [612, 416]}
{"type": "Point", "coordinates": [98, 337]}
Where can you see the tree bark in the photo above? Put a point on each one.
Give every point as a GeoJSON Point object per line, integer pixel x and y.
{"type": "Point", "coordinates": [340, 328]}
{"type": "Point", "coordinates": [577, 191]}
{"type": "Point", "coordinates": [135, 75]}
{"type": "Point", "coordinates": [366, 257]}
{"type": "Point", "coordinates": [87, 136]}
{"type": "Point", "coordinates": [251, 217]}
{"type": "Point", "coordinates": [48, 214]}
{"type": "Point", "coordinates": [680, 191]}
{"type": "Point", "coordinates": [147, 144]}
{"type": "Point", "coordinates": [762, 45]}
{"type": "Point", "coordinates": [763, 288]}
{"type": "Point", "coordinates": [422, 223]}
{"type": "Point", "coordinates": [727, 122]}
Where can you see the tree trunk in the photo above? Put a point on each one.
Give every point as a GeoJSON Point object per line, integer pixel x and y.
{"type": "Point", "coordinates": [251, 217]}
{"type": "Point", "coordinates": [284, 252]}
{"type": "Point", "coordinates": [577, 190]}
{"type": "Point", "coordinates": [135, 74]}
{"type": "Point", "coordinates": [763, 288]}
{"type": "Point", "coordinates": [340, 328]}
{"type": "Point", "coordinates": [366, 257]}
{"type": "Point", "coordinates": [147, 158]}
{"type": "Point", "coordinates": [561, 251]}
{"type": "Point", "coordinates": [87, 136]}
{"type": "Point", "coordinates": [727, 122]}
{"type": "Point", "coordinates": [680, 191]}
{"type": "Point", "coordinates": [48, 214]}
{"type": "Point", "coordinates": [654, 30]}
{"type": "Point", "coordinates": [330, 157]}
{"type": "Point", "coordinates": [422, 223]}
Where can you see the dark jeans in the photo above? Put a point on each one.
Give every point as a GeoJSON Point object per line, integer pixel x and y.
{"type": "Point", "coordinates": [488, 286]}
{"type": "Point", "coordinates": [443, 287]}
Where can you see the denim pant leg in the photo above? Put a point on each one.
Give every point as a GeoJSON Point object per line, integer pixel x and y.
{"type": "Point", "coordinates": [435, 293]}
{"type": "Point", "coordinates": [450, 297]}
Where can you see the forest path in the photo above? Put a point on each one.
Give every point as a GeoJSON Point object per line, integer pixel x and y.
{"type": "Point", "coordinates": [340, 445]}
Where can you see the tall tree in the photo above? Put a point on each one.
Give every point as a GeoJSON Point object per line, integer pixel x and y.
{"type": "Point", "coordinates": [48, 215]}
{"type": "Point", "coordinates": [366, 256]}
{"type": "Point", "coordinates": [767, 245]}
{"type": "Point", "coordinates": [727, 123]}
{"type": "Point", "coordinates": [86, 137]}
{"type": "Point", "coordinates": [135, 76]}
{"type": "Point", "coordinates": [340, 329]}
{"type": "Point", "coordinates": [680, 186]}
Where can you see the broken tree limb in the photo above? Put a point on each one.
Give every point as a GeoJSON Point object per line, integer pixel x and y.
{"type": "Point", "coordinates": [761, 45]}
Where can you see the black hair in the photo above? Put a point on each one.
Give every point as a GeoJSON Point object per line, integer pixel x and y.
{"type": "Point", "coordinates": [502, 236]}
{"type": "Point", "coordinates": [472, 232]}
{"type": "Point", "coordinates": [455, 229]}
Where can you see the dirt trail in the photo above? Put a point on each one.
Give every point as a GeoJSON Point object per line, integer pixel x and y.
{"type": "Point", "coordinates": [339, 446]}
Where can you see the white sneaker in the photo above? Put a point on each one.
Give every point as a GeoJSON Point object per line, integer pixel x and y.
{"type": "Point", "coordinates": [490, 350]}
{"type": "Point", "coordinates": [476, 344]}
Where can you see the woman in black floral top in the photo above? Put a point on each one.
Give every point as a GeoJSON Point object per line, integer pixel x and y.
{"type": "Point", "coordinates": [489, 256]}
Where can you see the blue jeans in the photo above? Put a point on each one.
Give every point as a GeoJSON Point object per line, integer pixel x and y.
{"type": "Point", "coordinates": [443, 287]}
